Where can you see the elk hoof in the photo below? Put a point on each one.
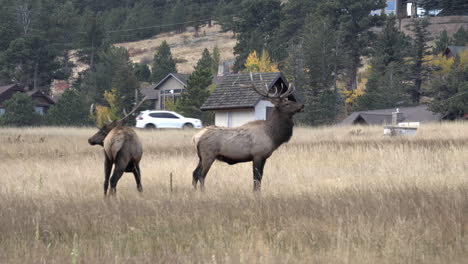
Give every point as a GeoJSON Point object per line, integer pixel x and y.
{"type": "Point", "coordinates": [140, 188]}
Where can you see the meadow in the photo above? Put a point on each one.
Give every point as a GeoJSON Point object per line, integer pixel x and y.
{"type": "Point", "coordinates": [330, 195]}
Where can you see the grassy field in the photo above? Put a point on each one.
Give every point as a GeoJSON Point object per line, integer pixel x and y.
{"type": "Point", "coordinates": [331, 195]}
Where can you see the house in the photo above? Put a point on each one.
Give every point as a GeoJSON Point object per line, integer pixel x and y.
{"type": "Point", "coordinates": [42, 102]}
{"type": "Point", "coordinates": [169, 88]}
{"type": "Point", "coordinates": [384, 116]}
{"type": "Point", "coordinates": [452, 51]}
{"type": "Point", "coordinates": [235, 104]}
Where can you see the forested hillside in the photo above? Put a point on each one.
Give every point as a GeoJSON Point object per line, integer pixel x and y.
{"type": "Point", "coordinates": [319, 44]}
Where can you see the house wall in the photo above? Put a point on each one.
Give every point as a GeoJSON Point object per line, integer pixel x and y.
{"type": "Point", "coordinates": [169, 84]}
{"type": "Point", "coordinates": [260, 109]}
{"type": "Point", "coordinates": [234, 118]}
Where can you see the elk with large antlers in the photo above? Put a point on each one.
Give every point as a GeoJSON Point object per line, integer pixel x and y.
{"type": "Point", "coordinates": [122, 148]}
{"type": "Point", "coordinates": [254, 141]}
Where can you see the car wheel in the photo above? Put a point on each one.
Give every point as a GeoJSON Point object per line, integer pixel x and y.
{"type": "Point", "coordinates": [187, 126]}
{"type": "Point", "coordinates": [150, 126]}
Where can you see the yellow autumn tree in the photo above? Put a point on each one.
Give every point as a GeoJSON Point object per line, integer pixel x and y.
{"type": "Point", "coordinates": [106, 113]}
{"type": "Point", "coordinates": [351, 96]}
{"type": "Point", "coordinates": [263, 64]}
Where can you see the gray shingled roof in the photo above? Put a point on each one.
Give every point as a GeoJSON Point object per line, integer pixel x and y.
{"type": "Point", "coordinates": [231, 90]}
{"type": "Point", "coordinates": [384, 116]}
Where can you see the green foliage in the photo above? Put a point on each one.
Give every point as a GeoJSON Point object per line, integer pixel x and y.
{"type": "Point", "coordinates": [114, 71]}
{"type": "Point", "coordinates": [387, 85]}
{"type": "Point", "coordinates": [197, 91]}
{"type": "Point", "coordinates": [256, 28]}
{"type": "Point", "coordinates": [163, 63]}
{"type": "Point", "coordinates": [442, 42]}
{"type": "Point", "coordinates": [19, 111]}
{"type": "Point", "coordinates": [216, 60]}
{"type": "Point", "coordinates": [420, 50]}
{"type": "Point", "coordinates": [142, 72]}
{"type": "Point", "coordinates": [449, 91]}
{"type": "Point", "coordinates": [70, 110]}
{"type": "Point", "coordinates": [460, 38]}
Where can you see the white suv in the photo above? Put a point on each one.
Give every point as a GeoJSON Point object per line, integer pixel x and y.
{"type": "Point", "coordinates": [165, 119]}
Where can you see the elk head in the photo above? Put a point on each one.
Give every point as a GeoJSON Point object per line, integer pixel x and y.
{"type": "Point", "coordinates": [98, 138]}
{"type": "Point", "coordinates": [278, 99]}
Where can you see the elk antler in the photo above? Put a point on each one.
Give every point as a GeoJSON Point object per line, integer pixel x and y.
{"type": "Point", "coordinates": [276, 95]}
{"type": "Point", "coordinates": [133, 110]}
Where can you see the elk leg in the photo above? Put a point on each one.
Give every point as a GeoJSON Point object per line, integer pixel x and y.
{"type": "Point", "coordinates": [137, 174]}
{"type": "Point", "coordinates": [118, 171]}
{"type": "Point", "coordinates": [196, 175]}
{"type": "Point", "coordinates": [107, 172]}
{"type": "Point", "coordinates": [258, 165]}
{"type": "Point", "coordinates": [206, 165]}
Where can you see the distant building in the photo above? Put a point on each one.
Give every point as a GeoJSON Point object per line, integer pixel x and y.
{"type": "Point", "coordinates": [235, 104]}
{"type": "Point", "coordinates": [384, 116]}
{"type": "Point", "coordinates": [169, 88]}
{"type": "Point", "coordinates": [452, 51]}
{"type": "Point", "coordinates": [42, 102]}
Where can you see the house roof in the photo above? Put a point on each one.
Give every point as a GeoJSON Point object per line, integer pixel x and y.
{"type": "Point", "coordinates": [6, 88]}
{"type": "Point", "coordinates": [384, 116]}
{"type": "Point", "coordinates": [40, 99]}
{"type": "Point", "coordinates": [232, 90]}
{"type": "Point", "coordinates": [152, 91]}
{"type": "Point", "coordinates": [455, 50]}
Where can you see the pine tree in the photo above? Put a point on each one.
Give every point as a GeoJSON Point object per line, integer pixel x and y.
{"type": "Point", "coordinates": [387, 86]}
{"type": "Point", "coordinates": [70, 110]}
{"type": "Point", "coordinates": [418, 68]}
{"type": "Point", "coordinates": [197, 91]}
{"type": "Point", "coordinates": [216, 60]}
{"type": "Point", "coordinates": [19, 111]}
{"type": "Point", "coordinates": [163, 63]}
{"type": "Point", "coordinates": [460, 38]}
{"type": "Point", "coordinates": [442, 42]}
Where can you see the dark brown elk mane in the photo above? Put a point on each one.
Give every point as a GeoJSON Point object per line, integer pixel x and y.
{"type": "Point", "coordinates": [254, 141]}
{"type": "Point", "coordinates": [122, 149]}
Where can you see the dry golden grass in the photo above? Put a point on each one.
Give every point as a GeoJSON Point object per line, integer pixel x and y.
{"type": "Point", "coordinates": [184, 46]}
{"type": "Point", "coordinates": [331, 195]}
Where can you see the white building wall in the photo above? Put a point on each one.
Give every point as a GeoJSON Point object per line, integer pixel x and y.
{"type": "Point", "coordinates": [260, 109]}
{"type": "Point", "coordinates": [221, 118]}
{"type": "Point", "coordinates": [240, 117]}
{"type": "Point", "coordinates": [234, 118]}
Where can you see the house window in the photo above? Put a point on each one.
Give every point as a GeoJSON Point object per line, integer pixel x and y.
{"type": "Point", "coordinates": [2, 111]}
{"type": "Point", "coordinates": [391, 7]}
{"type": "Point", "coordinates": [171, 96]}
{"type": "Point", "coordinates": [39, 110]}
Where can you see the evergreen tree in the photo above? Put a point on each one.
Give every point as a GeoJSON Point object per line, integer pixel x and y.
{"type": "Point", "coordinates": [442, 42]}
{"type": "Point", "coordinates": [460, 38]}
{"type": "Point", "coordinates": [142, 72]}
{"type": "Point", "coordinates": [418, 68]}
{"type": "Point", "coordinates": [449, 91]}
{"type": "Point", "coordinates": [19, 111]}
{"type": "Point", "coordinates": [256, 28]}
{"type": "Point", "coordinates": [351, 19]}
{"type": "Point", "coordinates": [163, 63]}
{"type": "Point", "coordinates": [197, 91]}
{"type": "Point", "coordinates": [387, 86]}
{"type": "Point", "coordinates": [322, 61]}
{"type": "Point", "coordinates": [70, 110]}
{"type": "Point", "coordinates": [216, 60]}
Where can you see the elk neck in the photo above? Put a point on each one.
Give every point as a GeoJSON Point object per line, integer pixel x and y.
{"type": "Point", "coordinates": [279, 126]}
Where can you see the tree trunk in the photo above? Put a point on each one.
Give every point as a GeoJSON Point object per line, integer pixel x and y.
{"type": "Point", "coordinates": [35, 76]}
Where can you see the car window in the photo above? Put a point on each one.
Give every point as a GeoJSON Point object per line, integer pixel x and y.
{"type": "Point", "coordinates": [169, 115]}
{"type": "Point", "coordinates": [163, 115]}
{"type": "Point", "coordinates": [156, 115]}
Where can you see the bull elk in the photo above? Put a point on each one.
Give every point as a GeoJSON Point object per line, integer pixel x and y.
{"type": "Point", "coordinates": [122, 148]}
{"type": "Point", "coordinates": [254, 141]}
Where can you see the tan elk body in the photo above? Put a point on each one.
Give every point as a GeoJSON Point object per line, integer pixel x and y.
{"type": "Point", "coordinates": [254, 141]}
{"type": "Point", "coordinates": [122, 149]}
